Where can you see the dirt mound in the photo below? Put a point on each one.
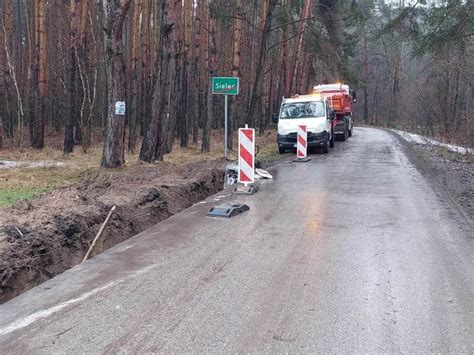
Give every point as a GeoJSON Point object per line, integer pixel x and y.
{"type": "Point", "coordinates": [43, 237]}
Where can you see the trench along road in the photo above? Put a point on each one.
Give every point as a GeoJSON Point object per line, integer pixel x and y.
{"type": "Point", "coordinates": [350, 252]}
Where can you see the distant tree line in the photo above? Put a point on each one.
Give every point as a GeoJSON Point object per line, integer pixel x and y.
{"type": "Point", "coordinates": [413, 63]}
{"type": "Point", "coordinates": [64, 65]}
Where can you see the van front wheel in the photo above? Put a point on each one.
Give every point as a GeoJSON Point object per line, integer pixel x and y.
{"type": "Point", "coordinates": [326, 147]}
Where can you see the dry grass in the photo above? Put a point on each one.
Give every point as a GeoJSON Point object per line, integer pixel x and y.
{"type": "Point", "coordinates": [456, 157]}
{"type": "Point", "coordinates": [23, 182]}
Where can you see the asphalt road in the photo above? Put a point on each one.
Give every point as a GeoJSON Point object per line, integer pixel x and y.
{"type": "Point", "coordinates": [351, 252]}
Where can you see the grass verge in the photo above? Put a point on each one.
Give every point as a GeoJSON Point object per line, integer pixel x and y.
{"type": "Point", "coordinates": [9, 196]}
{"type": "Point", "coordinates": [25, 182]}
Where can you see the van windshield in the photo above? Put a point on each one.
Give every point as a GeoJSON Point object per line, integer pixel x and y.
{"type": "Point", "coordinates": [302, 110]}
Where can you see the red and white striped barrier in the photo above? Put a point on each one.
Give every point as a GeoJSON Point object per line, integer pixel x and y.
{"type": "Point", "coordinates": [246, 155]}
{"type": "Point", "coordinates": [302, 142]}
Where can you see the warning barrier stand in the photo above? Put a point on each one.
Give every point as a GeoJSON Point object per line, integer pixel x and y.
{"type": "Point", "coordinates": [302, 144]}
{"type": "Point", "coordinates": [246, 161]}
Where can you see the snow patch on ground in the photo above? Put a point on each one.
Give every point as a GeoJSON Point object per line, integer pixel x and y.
{"type": "Point", "coordinates": [11, 164]}
{"type": "Point", "coordinates": [417, 139]}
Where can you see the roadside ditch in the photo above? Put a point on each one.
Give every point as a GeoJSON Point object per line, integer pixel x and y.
{"type": "Point", "coordinates": [43, 237]}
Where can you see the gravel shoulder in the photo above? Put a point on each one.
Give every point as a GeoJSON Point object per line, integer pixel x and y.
{"type": "Point", "coordinates": [451, 175]}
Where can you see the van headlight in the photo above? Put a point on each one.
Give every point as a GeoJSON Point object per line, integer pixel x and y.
{"type": "Point", "coordinates": [284, 132]}
{"type": "Point", "coordinates": [319, 128]}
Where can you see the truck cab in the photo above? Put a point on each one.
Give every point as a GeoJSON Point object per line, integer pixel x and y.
{"type": "Point", "coordinates": [310, 110]}
{"type": "Point", "coordinates": [340, 99]}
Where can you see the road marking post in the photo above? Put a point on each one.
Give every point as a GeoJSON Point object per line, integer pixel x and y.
{"type": "Point", "coordinates": [246, 160]}
{"type": "Point", "coordinates": [302, 144]}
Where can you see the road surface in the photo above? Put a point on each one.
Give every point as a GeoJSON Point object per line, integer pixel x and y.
{"type": "Point", "coordinates": [351, 252]}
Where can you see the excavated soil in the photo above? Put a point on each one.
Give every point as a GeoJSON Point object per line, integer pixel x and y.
{"type": "Point", "coordinates": [43, 237]}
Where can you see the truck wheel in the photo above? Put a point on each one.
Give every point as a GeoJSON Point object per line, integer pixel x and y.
{"type": "Point", "coordinates": [331, 142]}
{"type": "Point", "coordinates": [326, 147]}
{"type": "Point", "coordinates": [344, 136]}
{"type": "Point", "coordinates": [281, 150]}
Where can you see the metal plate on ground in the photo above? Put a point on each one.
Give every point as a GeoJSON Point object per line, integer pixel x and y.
{"type": "Point", "coordinates": [228, 210]}
{"type": "Point", "coordinates": [246, 190]}
{"type": "Point", "coordinates": [301, 160]}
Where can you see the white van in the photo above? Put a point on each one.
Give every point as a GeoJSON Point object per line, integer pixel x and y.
{"type": "Point", "coordinates": [310, 110]}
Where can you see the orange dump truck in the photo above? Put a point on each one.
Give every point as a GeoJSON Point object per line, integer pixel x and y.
{"type": "Point", "coordinates": [340, 99]}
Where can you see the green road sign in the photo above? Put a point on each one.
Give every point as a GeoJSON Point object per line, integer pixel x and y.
{"type": "Point", "coordinates": [225, 86]}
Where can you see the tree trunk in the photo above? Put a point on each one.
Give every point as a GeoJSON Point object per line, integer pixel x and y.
{"type": "Point", "coordinates": [299, 44]}
{"type": "Point", "coordinates": [7, 30]}
{"type": "Point", "coordinates": [196, 77]}
{"type": "Point", "coordinates": [175, 109]}
{"type": "Point", "coordinates": [3, 86]}
{"type": "Point", "coordinates": [153, 140]}
{"type": "Point", "coordinates": [211, 70]}
{"type": "Point", "coordinates": [83, 61]}
{"type": "Point", "coordinates": [252, 41]}
{"type": "Point", "coordinates": [71, 116]}
{"type": "Point", "coordinates": [236, 102]}
{"type": "Point", "coordinates": [30, 91]}
{"type": "Point", "coordinates": [144, 88]}
{"type": "Point", "coordinates": [366, 76]}
{"type": "Point", "coordinates": [258, 82]}
{"type": "Point", "coordinates": [286, 53]}
{"type": "Point", "coordinates": [395, 86]}
{"type": "Point", "coordinates": [114, 17]}
{"type": "Point", "coordinates": [38, 132]}
{"type": "Point", "coordinates": [375, 103]}
{"type": "Point", "coordinates": [171, 106]}
{"type": "Point", "coordinates": [447, 84]}
{"type": "Point", "coordinates": [187, 96]}
{"type": "Point", "coordinates": [455, 122]}
{"type": "Point", "coordinates": [133, 76]}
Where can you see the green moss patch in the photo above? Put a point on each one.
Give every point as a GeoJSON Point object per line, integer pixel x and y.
{"type": "Point", "coordinates": [9, 196]}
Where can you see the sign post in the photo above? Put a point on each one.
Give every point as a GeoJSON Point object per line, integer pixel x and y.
{"type": "Point", "coordinates": [225, 86]}
{"type": "Point", "coordinates": [225, 126]}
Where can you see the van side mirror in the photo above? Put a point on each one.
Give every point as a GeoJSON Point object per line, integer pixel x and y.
{"type": "Point", "coordinates": [332, 115]}
{"type": "Point", "coordinates": [274, 117]}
